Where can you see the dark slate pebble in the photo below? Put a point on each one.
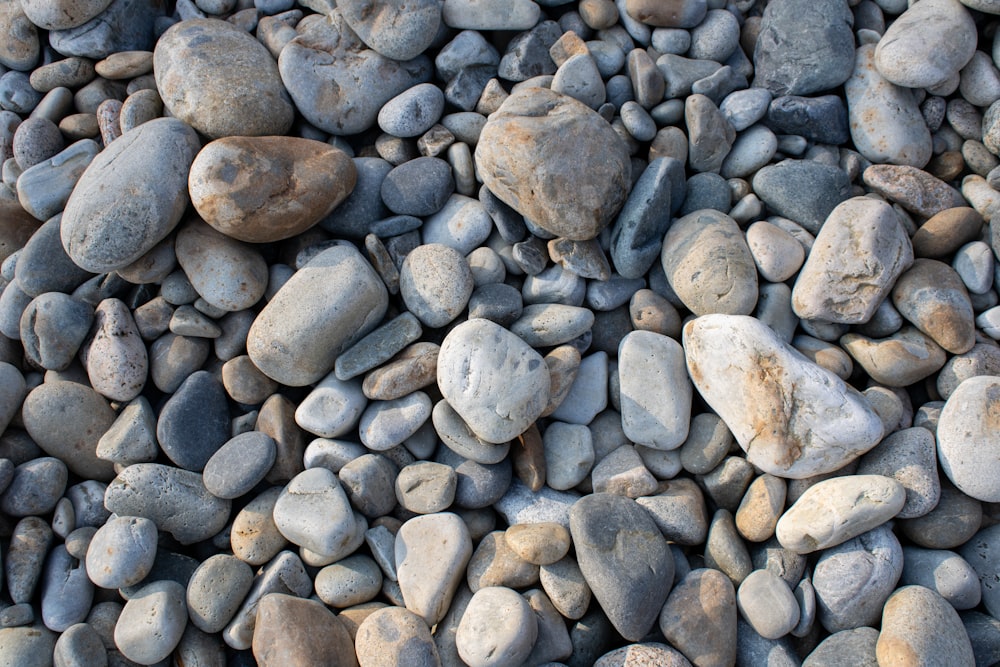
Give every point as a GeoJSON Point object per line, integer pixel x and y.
{"type": "Point", "coordinates": [378, 347]}
{"type": "Point", "coordinates": [706, 190]}
{"type": "Point", "coordinates": [637, 236]}
{"type": "Point", "coordinates": [356, 215]}
{"type": "Point", "coordinates": [984, 634]}
{"type": "Point", "coordinates": [528, 53]}
{"type": "Point", "coordinates": [478, 485]}
{"type": "Point", "coordinates": [820, 119]}
{"type": "Point", "coordinates": [43, 265]}
{"type": "Point", "coordinates": [508, 222]}
{"type": "Point", "coordinates": [53, 327]}
{"type": "Point", "coordinates": [126, 25]}
{"type": "Point", "coordinates": [23, 560]}
{"type": "Point", "coordinates": [804, 191]}
{"type": "Point", "coordinates": [194, 422]}
{"type": "Point", "coordinates": [36, 487]}
{"type": "Point", "coordinates": [67, 592]}
{"type": "Point", "coordinates": [239, 465]}
{"type": "Point", "coordinates": [418, 187]}
{"type": "Point", "coordinates": [624, 558]}
{"type": "Point", "coordinates": [497, 302]}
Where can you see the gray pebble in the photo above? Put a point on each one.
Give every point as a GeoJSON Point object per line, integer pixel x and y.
{"type": "Point", "coordinates": [215, 591]}
{"type": "Point", "coordinates": [239, 465]}
{"type": "Point", "coordinates": [151, 623]}
{"type": "Point", "coordinates": [67, 593]}
{"type": "Point", "coordinates": [79, 646]}
{"type": "Point", "coordinates": [194, 422]}
{"type": "Point", "coordinates": [53, 327]}
{"type": "Point", "coordinates": [35, 487]}
{"type": "Point", "coordinates": [29, 544]}
{"type": "Point", "coordinates": [412, 112]}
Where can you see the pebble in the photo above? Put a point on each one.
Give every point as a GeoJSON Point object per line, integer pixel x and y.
{"type": "Point", "coordinates": [215, 590]}
{"type": "Point", "coordinates": [150, 163]}
{"type": "Point", "coordinates": [806, 191]}
{"type": "Point", "coordinates": [395, 636]}
{"type": "Point", "coordinates": [434, 299]}
{"type": "Point", "coordinates": [964, 421]}
{"type": "Point", "coordinates": [204, 85]}
{"type": "Point", "coordinates": [432, 552]}
{"type": "Point", "coordinates": [292, 630]}
{"type": "Point", "coordinates": [767, 604]}
{"type": "Point", "coordinates": [930, 286]}
{"type": "Point", "coordinates": [805, 440]}
{"type": "Point", "coordinates": [79, 646]}
{"type": "Point", "coordinates": [550, 129]}
{"type": "Point", "coordinates": [920, 625]}
{"type": "Point", "coordinates": [236, 467]}
{"type": "Point", "coordinates": [944, 572]}
{"type": "Point", "coordinates": [632, 598]}
{"type": "Point", "coordinates": [151, 622]}
{"type": "Point", "coordinates": [648, 360]}
{"type": "Point", "coordinates": [314, 513]}
{"type": "Point", "coordinates": [835, 510]}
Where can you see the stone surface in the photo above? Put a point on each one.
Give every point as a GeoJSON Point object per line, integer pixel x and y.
{"type": "Point", "coordinates": [529, 155]}
{"type": "Point", "coordinates": [920, 627]}
{"type": "Point", "coordinates": [965, 438]}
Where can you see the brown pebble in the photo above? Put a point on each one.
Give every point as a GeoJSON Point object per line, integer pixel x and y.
{"type": "Point", "coordinates": [528, 456]}
{"type": "Point", "coordinates": [947, 231]}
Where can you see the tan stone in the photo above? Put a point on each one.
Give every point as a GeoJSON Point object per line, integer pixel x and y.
{"type": "Point", "coordinates": [293, 632]}
{"type": "Point", "coordinates": [538, 543]}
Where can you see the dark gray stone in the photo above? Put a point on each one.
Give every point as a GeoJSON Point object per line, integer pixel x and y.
{"type": "Point", "coordinates": [804, 191]}
{"type": "Point", "coordinates": [43, 265]}
{"type": "Point", "coordinates": [527, 54]}
{"type": "Point", "coordinates": [36, 487]}
{"type": "Point", "coordinates": [478, 485]}
{"type": "Point", "coordinates": [53, 327]}
{"type": "Point", "coordinates": [419, 187]}
{"type": "Point", "coordinates": [498, 302]}
{"type": "Point", "coordinates": [67, 592]}
{"type": "Point", "coordinates": [194, 422]}
{"type": "Point", "coordinates": [126, 25]}
{"type": "Point", "coordinates": [239, 465]}
{"type": "Point", "coordinates": [821, 119]}
{"type": "Point", "coordinates": [354, 217]}
{"type": "Point", "coordinates": [637, 235]}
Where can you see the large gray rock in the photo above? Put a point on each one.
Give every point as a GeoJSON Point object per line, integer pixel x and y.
{"type": "Point", "coordinates": [131, 196]}
{"type": "Point", "coordinates": [323, 309]}
{"type": "Point", "coordinates": [220, 80]}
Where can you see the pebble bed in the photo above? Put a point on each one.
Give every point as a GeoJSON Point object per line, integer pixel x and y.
{"type": "Point", "coordinates": [495, 333]}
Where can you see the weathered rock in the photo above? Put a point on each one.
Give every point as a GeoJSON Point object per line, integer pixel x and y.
{"type": "Point", "coordinates": [920, 627]}
{"type": "Point", "coordinates": [967, 438]}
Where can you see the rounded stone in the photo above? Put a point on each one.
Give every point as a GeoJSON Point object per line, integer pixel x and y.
{"type": "Point", "coordinates": [264, 189]}
{"type": "Point", "coordinates": [122, 552]}
{"type": "Point", "coordinates": [35, 487]}
{"type": "Point", "coordinates": [289, 630]}
{"type": "Point", "coordinates": [395, 636]}
{"type": "Point", "coordinates": [920, 627]}
{"type": "Point", "coordinates": [967, 444]}
{"type": "Point", "coordinates": [117, 362]}
{"type": "Point", "coordinates": [498, 629]}
{"type": "Point", "coordinates": [313, 512]}
{"type": "Point", "coordinates": [435, 282]}
{"type": "Point", "coordinates": [220, 80]}
{"type": "Point", "coordinates": [152, 622]}
{"type": "Point", "coordinates": [215, 591]}
{"type": "Point", "coordinates": [510, 389]}
{"type": "Point", "coordinates": [547, 145]}
{"type": "Point", "coordinates": [767, 604]}
{"type": "Point", "coordinates": [350, 581]}
{"type": "Point", "coordinates": [239, 465]}
{"type": "Point", "coordinates": [944, 572]}
{"type": "Point", "coordinates": [104, 228]}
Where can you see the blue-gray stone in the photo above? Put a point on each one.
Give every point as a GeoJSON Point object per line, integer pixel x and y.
{"type": "Point", "coordinates": [984, 635]}
{"type": "Point", "coordinates": [706, 190]}
{"type": "Point", "coordinates": [29, 544]}
{"type": "Point", "coordinates": [680, 73]}
{"type": "Point", "coordinates": [821, 119]}
{"type": "Point", "coordinates": [805, 191]}
{"type": "Point", "coordinates": [378, 347]}
{"type": "Point", "coordinates": [498, 302]}
{"type": "Point", "coordinates": [363, 207]}
{"type": "Point", "coordinates": [67, 592]}
{"type": "Point", "coordinates": [527, 54]}
{"type": "Point", "coordinates": [36, 487]}
{"type": "Point", "coordinates": [509, 223]}
{"type": "Point", "coordinates": [167, 565]}
{"type": "Point", "coordinates": [395, 225]}
{"type": "Point", "coordinates": [743, 108]}
{"type": "Point", "coordinates": [239, 465]}
{"type": "Point", "coordinates": [43, 265]}
{"type": "Point", "coordinates": [637, 235]}
{"type": "Point", "coordinates": [717, 85]}
{"type": "Point", "coordinates": [466, 87]}
{"type": "Point", "coordinates": [610, 531]}
{"type": "Point", "coordinates": [16, 93]}
{"type": "Point", "coordinates": [468, 49]}
{"type": "Point", "coordinates": [478, 485]}
{"type": "Point", "coordinates": [804, 46]}
{"type": "Point", "coordinates": [418, 187]}
{"type": "Point", "coordinates": [53, 326]}
{"type": "Point", "coordinates": [194, 422]}
{"type": "Point", "coordinates": [126, 25]}
{"type": "Point", "coordinates": [80, 646]}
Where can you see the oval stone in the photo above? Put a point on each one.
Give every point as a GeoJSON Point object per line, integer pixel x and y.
{"type": "Point", "coordinates": [220, 80]}
{"type": "Point", "coordinates": [969, 439]}
{"type": "Point", "coordinates": [919, 627]}
{"type": "Point", "coordinates": [555, 161]}
{"type": "Point", "coordinates": [117, 363]}
{"type": "Point", "coordinates": [228, 274]}
{"type": "Point", "coordinates": [131, 196]}
{"type": "Point", "coordinates": [152, 622]}
{"type": "Point", "coordinates": [323, 309]}
{"type": "Point", "coordinates": [509, 387]}
{"type": "Point", "coordinates": [264, 189]}
{"type": "Point", "coordinates": [794, 418]}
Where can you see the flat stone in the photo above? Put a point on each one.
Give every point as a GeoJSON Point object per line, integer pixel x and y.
{"type": "Point", "coordinates": [498, 628]}
{"type": "Point", "coordinates": [254, 537]}
{"type": "Point", "coordinates": [431, 554]}
{"type": "Point", "coordinates": [220, 80]}
{"type": "Point", "coordinates": [822, 422]}
{"type": "Point", "coordinates": [53, 328]}
{"type": "Point", "coordinates": [240, 185]}
{"type": "Point", "coordinates": [535, 136]}
{"type": "Point", "coordinates": [631, 597]}
{"type": "Point", "coordinates": [194, 422]}
{"type": "Point", "coordinates": [67, 592]}
{"type": "Point", "coordinates": [699, 618]}
{"type": "Point", "coordinates": [902, 359]}
{"type": "Point", "coordinates": [121, 25]}
{"type": "Point", "coordinates": [284, 574]}
{"type": "Point", "coordinates": [393, 29]}
{"type": "Point", "coordinates": [149, 163]}
{"type": "Point", "coordinates": [912, 188]}
{"type": "Point", "coordinates": [504, 400]}
{"type": "Point", "coordinates": [239, 464]}
{"type": "Point", "coordinates": [305, 326]}
{"type": "Point", "coordinates": [837, 509]}
{"type": "Point", "coordinates": [435, 282]}
{"type": "Point", "coordinates": [494, 563]}
{"type": "Point", "coordinates": [806, 191]}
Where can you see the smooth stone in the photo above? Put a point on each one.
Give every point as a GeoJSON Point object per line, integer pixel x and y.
{"type": "Point", "coordinates": [79, 646]}
{"type": "Point", "coordinates": [648, 364]}
{"type": "Point", "coordinates": [435, 282]}
{"type": "Point", "coordinates": [498, 628]}
{"type": "Point", "coordinates": [27, 646]}
{"type": "Point", "coordinates": [194, 422]}
{"type": "Point", "coordinates": [952, 522]}
{"type": "Point", "coordinates": [239, 465]}
{"type": "Point", "coordinates": [175, 500]}
{"type": "Point", "coordinates": [29, 544]}
{"type": "Point", "coordinates": [368, 481]}
{"type": "Point", "coordinates": [413, 111]}
{"type": "Point", "coordinates": [431, 554]}
{"type": "Point", "coordinates": [53, 328]}
{"type": "Point", "coordinates": [902, 54]}
{"type": "Point", "coordinates": [919, 625]}
{"type": "Point", "coordinates": [476, 15]}
{"type": "Point", "coordinates": [806, 191]}
{"type": "Point", "coordinates": [413, 368]}
{"type": "Point", "coordinates": [172, 358]}
{"type": "Point", "coordinates": [385, 424]}
{"type": "Point", "coordinates": [914, 189]}
{"type": "Point", "coordinates": [853, 580]}
{"type": "Point", "coordinates": [393, 29]}
{"type": "Point", "coordinates": [709, 265]}
{"type": "Point", "coordinates": [43, 265]}
{"type": "Point", "coordinates": [44, 188]}
{"type": "Point", "coordinates": [336, 82]}
{"type": "Point", "coordinates": [378, 347]}
{"type": "Point", "coordinates": [215, 591]}
{"type": "Point", "coordinates": [511, 387]}
{"type": "Point", "coordinates": [395, 636]}
{"type": "Point", "coordinates": [944, 572]}
{"type": "Point", "coordinates": [333, 408]}
{"type": "Point", "coordinates": [478, 485]}
{"type": "Point", "coordinates": [569, 455]}
{"type": "Point", "coordinates": [122, 552]}
{"type": "Point", "coordinates": [117, 363]}
{"type": "Point", "coordinates": [550, 324]}
{"type": "Point", "coordinates": [981, 553]}
{"type": "Point", "coordinates": [254, 537]}
{"type": "Point", "coordinates": [965, 437]}
{"type": "Point", "coordinates": [420, 187]}
{"type": "Point", "coordinates": [63, 15]}
{"type": "Point", "coordinates": [353, 580]}
{"type": "Point", "coordinates": [902, 359]}
{"type": "Point", "coordinates": [67, 593]}
{"type": "Point", "coordinates": [240, 185]}
{"type": "Point", "coordinates": [67, 420]}
{"type": "Point", "coordinates": [823, 422]}
{"type": "Point", "coordinates": [886, 123]}
{"type": "Point", "coordinates": [822, 119]}
{"type": "Point", "coordinates": [675, 14]}
{"type": "Point", "coordinates": [637, 235]}
{"type": "Point", "coordinates": [566, 587]}
{"type": "Point", "coordinates": [631, 598]}
{"type": "Point", "coordinates": [760, 508]}
{"type": "Point", "coordinates": [297, 337]}
{"type": "Point", "coordinates": [296, 632]}
{"type": "Point", "coordinates": [767, 604]}
{"type": "Point", "coordinates": [860, 251]}
{"type": "Point", "coordinates": [837, 509]}
{"type": "Point", "coordinates": [910, 457]}
{"type": "Point", "coordinates": [550, 129]}
{"type": "Point", "coordinates": [227, 273]}
{"type": "Point", "coordinates": [151, 622]}
{"type": "Point", "coordinates": [364, 206]}
{"type": "Point", "coordinates": [854, 647]}
{"type": "Point", "coordinates": [777, 254]}
{"type": "Point", "coordinates": [932, 296]}
{"type": "Point", "coordinates": [494, 563]}
{"type": "Point", "coordinates": [313, 512]}
{"type": "Point", "coordinates": [539, 543]}
{"type": "Point", "coordinates": [284, 574]}
{"type": "Point", "coordinates": [725, 549]}
{"type": "Point", "coordinates": [699, 618]}
{"type": "Point", "coordinates": [752, 149]}
{"type": "Point", "coordinates": [710, 136]}
{"type": "Point", "coordinates": [802, 47]}
{"type": "Point", "coordinates": [108, 27]}
{"type": "Point", "coordinates": [149, 163]}
{"type": "Point", "coordinates": [459, 438]}
{"type": "Point", "coordinates": [218, 79]}
{"type": "Point", "coordinates": [678, 509]}
{"type": "Point", "coordinates": [426, 487]}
